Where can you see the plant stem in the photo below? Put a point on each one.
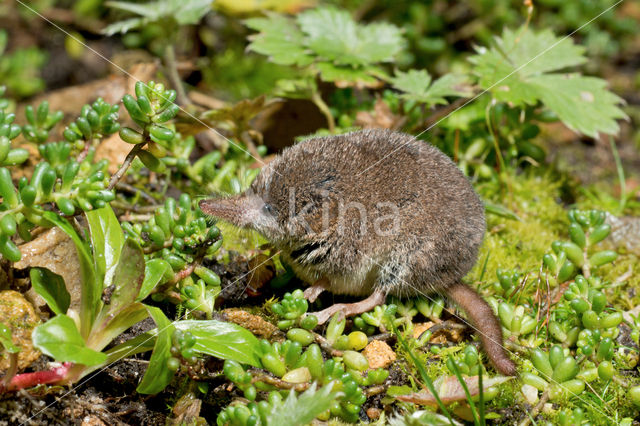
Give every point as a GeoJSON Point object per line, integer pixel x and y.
{"type": "Point", "coordinates": [543, 400]}
{"type": "Point", "coordinates": [174, 77]}
{"type": "Point", "coordinates": [621, 178]}
{"type": "Point", "coordinates": [324, 109]}
{"type": "Point", "coordinates": [11, 371]}
{"type": "Point", "coordinates": [29, 380]}
{"type": "Point", "coordinates": [125, 166]}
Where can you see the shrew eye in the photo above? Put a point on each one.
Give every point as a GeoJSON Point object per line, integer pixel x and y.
{"type": "Point", "coordinates": [268, 208]}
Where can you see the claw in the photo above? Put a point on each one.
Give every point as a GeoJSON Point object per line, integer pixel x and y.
{"type": "Point", "coordinates": [312, 293]}
{"type": "Point", "coordinates": [349, 309]}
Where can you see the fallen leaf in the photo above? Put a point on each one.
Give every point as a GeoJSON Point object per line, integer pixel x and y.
{"type": "Point", "coordinates": [450, 390]}
{"type": "Point", "coordinates": [381, 118]}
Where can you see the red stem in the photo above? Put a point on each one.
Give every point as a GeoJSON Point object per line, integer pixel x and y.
{"type": "Point", "coordinates": [29, 380]}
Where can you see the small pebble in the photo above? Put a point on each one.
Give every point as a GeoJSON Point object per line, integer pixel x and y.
{"type": "Point", "coordinates": [379, 354]}
{"type": "Point", "coordinates": [373, 413]}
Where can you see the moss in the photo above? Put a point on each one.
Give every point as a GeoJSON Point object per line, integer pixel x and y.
{"type": "Point", "coordinates": [536, 198]}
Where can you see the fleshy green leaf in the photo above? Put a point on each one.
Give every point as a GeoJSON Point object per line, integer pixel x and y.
{"type": "Point", "coordinates": [91, 285]}
{"type": "Point", "coordinates": [51, 288]}
{"type": "Point", "coordinates": [128, 276]}
{"type": "Point", "coordinates": [107, 240]}
{"type": "Point", "coordinates": [154, 272]}
{"type": "Point", "coordinates": [417, 85]}
{"type": "Point", "coordinates": [6, 340]}
{"type": "Point", "coordinates": [141, 343]}
{"type": "Point", "coordinates": [158, 376]}
{"type": "Point", "coordinates": [110, 325]}
{"type": "Point", "coordinates": [518, 69]}
{"type": "Point", "coordinates": [60, 339]}
{"type": "Point", "coordinates": [223, 340]}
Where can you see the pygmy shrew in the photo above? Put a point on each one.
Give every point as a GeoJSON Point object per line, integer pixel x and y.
{"type": "Point", "coordinates": [371, 213]}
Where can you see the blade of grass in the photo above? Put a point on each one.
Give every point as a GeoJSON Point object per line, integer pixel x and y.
{"type": "Point", "coordinates": [481, 396]}
{"type": "Point", "coordinates": [422, 371]}
{"type": "Point", "coordinates": [453, 367]}
{"type": "Point", "coordinates": [621, 178]}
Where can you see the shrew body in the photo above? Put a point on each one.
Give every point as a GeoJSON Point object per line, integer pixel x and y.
{"type": "Point", "coordinates": [371, 213]}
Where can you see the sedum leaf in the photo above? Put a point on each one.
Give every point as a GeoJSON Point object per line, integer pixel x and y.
{"type": "Point", "coordinates": [417, 85]}
{"type": "Point", "coordinates": [519, 69]}
{"type": "Point", "coordinates": [60, 339]}
{"type": "Point", "coordinates": [51, 288]}
{"type": "Point", "coordinates": [223, 340]}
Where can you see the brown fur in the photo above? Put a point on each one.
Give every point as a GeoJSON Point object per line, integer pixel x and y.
{"type": "Point", "coordinates": [440, 220]}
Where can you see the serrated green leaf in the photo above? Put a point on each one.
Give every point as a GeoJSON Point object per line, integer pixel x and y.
{"type": "Point", "coordinates": [51, 288]}
{"type": "Point", "coordinates": [279, 39]}
{"type": "Point", "coordinates": [417, 85]}
{"type": "Point", "coordinates": [152, 10]}
{"type": "Point", "coordinates": [302, 409]}
{"type": "Point", "coordinates": [346, 76]}
{"type": "Point", "coordinates": [158, 376]}
{"type": "Point", "coordinates": [517, 69]}
{"type": "Point", "coordinates": [123, 27]}
{"type": "Point", "coordinates": [329, 36]}
{"type": "Point", "coordinates": [60, 339]}
{"type": "Point", "coordinates": [190, 12]}
{"type": "Point", "coordinates": [183, 12]}
{"type": "Point", "coordinates": [333, 35]}
{"type": "Point", "coordinates": [296, 89]}
{"type": "Point", "coordinates": [582, 103]}
{"type": "Point", "coordinates": [223, 340]}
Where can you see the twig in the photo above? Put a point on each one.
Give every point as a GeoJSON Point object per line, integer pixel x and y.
{"type": "Point", "coordinates": [172, 71]}
{"type": "Point", "coordinates": [11, 371]}
{"type": "Point", "coordinates": [132, 189]}
{"type": "Point", "coordinates": [326, 346]}
{"type": "Point", "coordinates": [375, 390]}
{"type": "Point", "coordinates": [543, 400]}
{"type": "Point", "coordinates": [125, 166]}
{"type": "Point", "coordinates": [137, 209]}
{"type": "Point", "coordinates": [442, 112]}
{"type": "Point", "coordinates": [279, 383]}
{"type": "Point", "coordinates": [324, 109]}
{"type": "Point", "coordinates": [251, 146]}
